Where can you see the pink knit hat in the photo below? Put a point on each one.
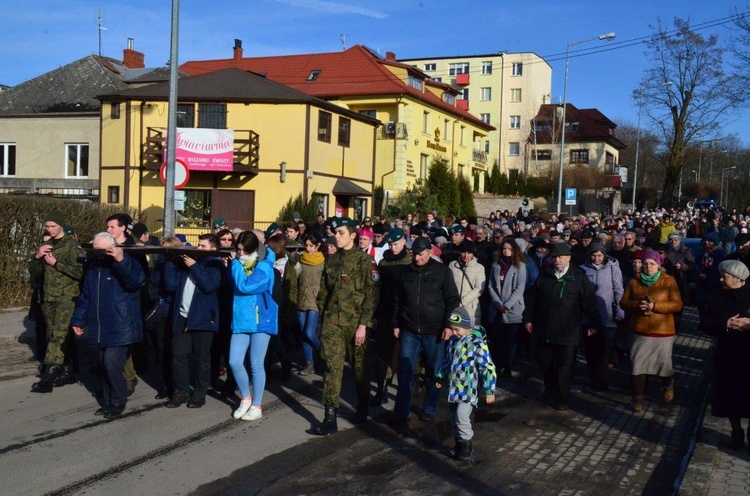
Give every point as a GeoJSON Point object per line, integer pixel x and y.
{"type": "Point", "coordinates": [651, 255]}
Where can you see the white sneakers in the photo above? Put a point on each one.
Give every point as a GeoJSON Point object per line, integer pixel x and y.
{"type": "Point", "coordinates": [254, 413]}
{"type": "Point", "coordinates": [243, 408]}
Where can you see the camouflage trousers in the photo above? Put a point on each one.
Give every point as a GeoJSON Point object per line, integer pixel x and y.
{"type": "Point", "coordinates": [337, 346]}
{"type": "Point", "coordinates": [57, 314]}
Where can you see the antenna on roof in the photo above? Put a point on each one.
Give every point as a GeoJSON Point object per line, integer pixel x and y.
{"type": "Point", "coordinates": [101, 28]}
{"type": "Point", "coordinates": [342, 37]}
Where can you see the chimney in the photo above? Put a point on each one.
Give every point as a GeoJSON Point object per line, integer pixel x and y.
{"type": "Point", "coordinates": [237, 49]}
{"type": "Point", "coordinates": [390, 56]}
{"type": "Point", "coordinates": [132, 58]}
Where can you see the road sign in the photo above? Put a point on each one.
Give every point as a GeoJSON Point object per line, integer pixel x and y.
{"type": "Point", "coordinates": [571, 196]}
{"type": "Point", "coordinates": [182, 174]}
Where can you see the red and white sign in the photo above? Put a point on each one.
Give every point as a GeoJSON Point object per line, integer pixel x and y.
{"type": "Point", "coordinates": [181, 174]}
{"type": "Point", "coordinates": [206, 149]}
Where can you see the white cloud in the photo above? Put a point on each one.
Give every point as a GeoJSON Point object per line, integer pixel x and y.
{"type": "Point", "coordinates": [333, 8]}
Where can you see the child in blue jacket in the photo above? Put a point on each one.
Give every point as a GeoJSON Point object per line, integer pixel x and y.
{"type": "Point", "coordinates": [466, 358]}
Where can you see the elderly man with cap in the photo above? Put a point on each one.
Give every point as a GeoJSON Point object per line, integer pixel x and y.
{"type": "Point", "coordinates": [58, 261]}
{"type": "Point", "coordinates": [562, 297]}
{"type": "Point", "coordinates": [348, 296]}
{"type": "Point", "coordinates": [708, 270]}
{"type": "Point", "coordinates": [391, 267]}
{"type": "Point", "coordinates": [219, 224]}
{"type": "Point", "coordinates": [424, 298]}
{"type": "Point", "coordinates": [679, 263]}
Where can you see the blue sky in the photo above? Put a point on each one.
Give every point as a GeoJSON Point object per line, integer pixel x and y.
{"type": "Point", "coordinates": [40, 35]}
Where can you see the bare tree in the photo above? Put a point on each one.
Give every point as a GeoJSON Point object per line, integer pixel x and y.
{"type": "Point", "coordinates": [684, 92]}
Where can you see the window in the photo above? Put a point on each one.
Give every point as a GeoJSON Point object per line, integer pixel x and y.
{"type": "Point", "coordinates": [324, 126]}
{"type": "Point", "coordinates": [196, 211]}
{"type": "Point", "coordinates": [514, 149]}
{"type": "Point", "coordinates": [114, 110]}
{"type": "Point", "coordinates": [113, 194]}
{"type": "Point", "coordinates": [425, 121]}
{"type": "Point", "coordinates": [423, 166]}
{"type": "Point", "coordinates": [7, 159]}
{"type": "Point", "coordinates": [485, 94]}
{"type": "Point", "coordinates": [579, 156]}
{"type": "Point", "coordinates": [542, 126]}
{"type": "Point", "coordinates": [487, 67]}
{"type": "Point", "coordinates": [486, 146]}
{"type": "Point", "coordinates": [572, 126]}
{"type": "Point", "coordinates": [438, 79]}
{"type": "Point", "coordinates": [465, 94]}
{"type": "Point", "coordinates": [185, 115]}
{"type": "Point", "coordinates": [445, 130]}
{"type": "Point", "coordinates": [459, 68]}
{"type": "Point", "coordinates": [77, 156]}
{"type": "Point", "coordinates": [313, 76]}
{"type": "Point", "coordinates": [517, 69]}
{"type": "Point", "coordinates": [485, 118]}
{"type": "Point", "coordinates": [321, 203]}
{"type": "Point", "coordinates": [212, 116]}
{"type": "Point", "coordinates": [449, 98]}
{"type": "Point", "coordinates": [515, 95]}
{"type": "Point", "coordinates": [515, 122]}
{"type": "Point", "coordinates": [461, 141]}
{"type": "Point", "coordinates": [369, 113]}
{"type": "Point", "coordinates": [430, 67]}
{"type": "Point", "coordinates": [345, 127]}
{"type": "Point", "coordinates": [609, 161]}
{"type": "Point", "coordinates": [542, 155]}
{"type": "Point", "coordinates": [415, 82]}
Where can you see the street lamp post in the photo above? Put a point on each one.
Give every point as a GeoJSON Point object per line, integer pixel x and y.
{"type": "Point", "coordinates": [607, 37]}
{"type": "Point", "coordinates": [721, 201]}
{"type": "Point", "coordinates": [637, 147]}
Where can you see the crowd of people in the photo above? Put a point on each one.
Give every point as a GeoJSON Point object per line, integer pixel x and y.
{"type": "Point", "coordinates": [432, 301]}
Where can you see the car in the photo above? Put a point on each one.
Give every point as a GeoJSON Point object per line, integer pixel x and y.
{"type": "Point", "coordinates": [704, 204]}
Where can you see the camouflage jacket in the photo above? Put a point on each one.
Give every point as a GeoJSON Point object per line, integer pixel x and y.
{"type": "Point", "coordinates": [349, 289]}
{"type": "Point", "coordinates": [61, 282]}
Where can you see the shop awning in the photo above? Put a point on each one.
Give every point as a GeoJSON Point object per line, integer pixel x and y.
{"type": "Point", "coordinates": [345, 187]}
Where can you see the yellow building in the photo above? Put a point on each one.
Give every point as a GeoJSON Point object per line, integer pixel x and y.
{"type": "Point", "coordinates": [282, 143]}
{"type": "Point", "coordinates": [504, 90]}
{"type": "Point", "coordinates": [419, 118]}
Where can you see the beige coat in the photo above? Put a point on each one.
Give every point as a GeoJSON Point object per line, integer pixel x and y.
{"type": "Point", "coordinates": [470, 285]}
{"type": "Point", "coordinates": [308, 285]}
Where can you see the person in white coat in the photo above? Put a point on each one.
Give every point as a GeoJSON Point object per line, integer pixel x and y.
{"type": "Point", "coordinates": [469, 276]}
{"type": "Point", "coordinates": [506, 286]}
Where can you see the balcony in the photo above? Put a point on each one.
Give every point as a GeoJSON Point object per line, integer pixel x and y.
{"type": "Point", "coordinates": [463, 104]}
{"type": "Point", "coordinates": [479, 156]}
{"type": "Point", "coordinates": [392, 130]}
{"type": "Point", "coordinates": [462, 79]}
{"type": "Point", "coordinates": [246, 150]}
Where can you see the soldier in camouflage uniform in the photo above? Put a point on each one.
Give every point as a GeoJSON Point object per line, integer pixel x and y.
{"type": "Point", "coordinates": [59, 261]}
{"type": "Point", "coordinates": [349, 291]}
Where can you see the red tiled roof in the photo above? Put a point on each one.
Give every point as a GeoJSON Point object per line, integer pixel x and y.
{"type": "Point", "coordinates": [592, 125]}
{"type": "Point", "coordinates": [352, 72]}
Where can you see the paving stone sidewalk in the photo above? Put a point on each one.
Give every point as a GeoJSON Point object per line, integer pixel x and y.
{"type": "Point", "coordinates": [523, 447]}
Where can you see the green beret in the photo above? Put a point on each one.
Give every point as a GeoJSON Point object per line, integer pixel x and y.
{"type": "Point", "coordinates": [342, 222]}
{"type": "Point", "coordinates": [394, 235]}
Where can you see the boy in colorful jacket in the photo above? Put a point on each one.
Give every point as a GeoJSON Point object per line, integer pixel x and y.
{"type": "Point", "coordinates": [467, 357]}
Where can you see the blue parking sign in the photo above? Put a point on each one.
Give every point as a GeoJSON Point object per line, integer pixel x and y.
{"type": "Point", "coordinates": [571, 196]}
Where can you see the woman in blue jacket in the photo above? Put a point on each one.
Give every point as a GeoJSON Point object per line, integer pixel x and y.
{"type": "Point", "coordinates": [255, 319]}
{"type": "Point", "coordinates": [106, 308]}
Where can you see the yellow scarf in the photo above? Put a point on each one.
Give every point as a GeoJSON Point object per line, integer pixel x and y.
{"type": "Point", "coordinates": [316, 258]}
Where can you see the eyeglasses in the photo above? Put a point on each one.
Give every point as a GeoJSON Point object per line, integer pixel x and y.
{"type": "Point", "coordinates": [227, 239]}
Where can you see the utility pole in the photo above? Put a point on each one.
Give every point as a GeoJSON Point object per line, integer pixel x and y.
{"type": "Point", "coordinates": [170, 173]}
{"type": "Point", "coordinates": [101, 28]}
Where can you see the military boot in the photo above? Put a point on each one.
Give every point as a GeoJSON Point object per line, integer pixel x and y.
{"type": "Point", "coordinates": [65, 377]}
{"type": "Point", "coordinates": [363, 410]}
{"type": "Point", "coordinates": [47, 382]}
{"type": "Point", "coordinates": [381, 396]}
{"type": "Point", "coordinates": [329, 425]}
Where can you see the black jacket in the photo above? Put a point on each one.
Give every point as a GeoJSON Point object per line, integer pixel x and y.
{"type": "Point", "coordinates": [425, 298]}
{"type": "Point", "coordinates": [557, 306]}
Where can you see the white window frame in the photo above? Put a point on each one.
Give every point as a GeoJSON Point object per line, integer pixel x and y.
{"type": "Point", "coordinates": [514, 149]}
{"type": "Point", "coordinates": [485, 94]}
{"type": "Point", "coordinates": [78, 164]}
{"type": "Point", "coordinates": [516, 69]}
{"type": "Point", "coordinates": [4, 152]}
{"type": "Point", "coordinates": [486, 146]}
{"type": "Point", "coordinates": [430, 67]}
{"type": "Point", "coordinates": [515, 94]}
{"type": "Point", "coordinates": [515, 122]}
{"type": "Point", "coordinates": [458, 68]}
{"type": "Point", "coordinates": [485, 117]}
{"type": "Point", "coordinates": [487, 67]}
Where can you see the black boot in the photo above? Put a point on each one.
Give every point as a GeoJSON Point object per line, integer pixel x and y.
{"type": "Point", "coordinates": [463, 450]}
{"type": "Point", "coordinates": [329, 425]}
{"type": "Point", "coordinates": [47, 382]}
{"type": "Point", "coordinates": [363, 410]}
{"type": "Point", "coordinates": [380, 395]}
{"type": "Point", "coordinates": [65, 377]}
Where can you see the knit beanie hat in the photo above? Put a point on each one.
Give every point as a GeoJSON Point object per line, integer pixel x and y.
{"type": "Point", "coordinates": [55, 216]}
{"type": "Point", "coordinates": [459, 317]}
{"type": "Point", "coordinates": [651, 255]}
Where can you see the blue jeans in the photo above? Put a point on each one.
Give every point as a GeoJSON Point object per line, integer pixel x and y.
{"type": "Point", "coordinates": [258, 344]}
{"type": "Point", "coordinates": [434, 350]}
{"type": "Point", "coordinates": [308, 322]}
